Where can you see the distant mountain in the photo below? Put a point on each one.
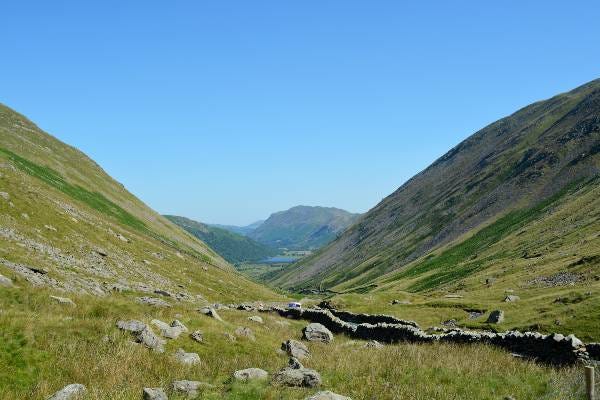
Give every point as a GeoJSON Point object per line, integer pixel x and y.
{"type": "Point", "coordinates": [522, 187]}
{"type": "Point", "coordinates": [233, 247]}
{"type": "Point", "coordinates": [240, 230]}
{"type": "Point", "coordinates": [303, 227]}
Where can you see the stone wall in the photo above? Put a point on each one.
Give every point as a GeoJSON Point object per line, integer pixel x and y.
{"type": "Point", "coordinates": [553, 349]}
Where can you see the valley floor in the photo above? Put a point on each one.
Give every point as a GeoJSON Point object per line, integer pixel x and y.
{"type": "Point", "coordinates": [45, 345]}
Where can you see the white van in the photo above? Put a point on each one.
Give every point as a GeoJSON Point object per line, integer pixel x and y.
{"type": "Point", "coordinates": [294, 306]}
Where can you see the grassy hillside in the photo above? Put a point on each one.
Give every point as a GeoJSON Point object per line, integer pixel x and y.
{"type": "Point", "coordinates": [433, 232]}
{"type": "Point", "coordinates": [61, 214]}
{"type": "Point", "coordinates": [303, 227]}
{"type": "Point", "coordinates": [231, 246]}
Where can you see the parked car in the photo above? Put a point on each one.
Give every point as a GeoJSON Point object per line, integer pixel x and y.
{"type": "Point", "coordinates": [294, 306]}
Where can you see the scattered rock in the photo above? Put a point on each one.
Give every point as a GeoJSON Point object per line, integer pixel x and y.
{"type": "Point", "coordinates": [294, 348]}
{"type": "Point", "coordinates": [122, 238]}
{"type": "Point", "coordinates": [327, 395]}
{"type": "Point", "coordinates": [511, 298]}
{"type": "Point", "coordinates": [246, 307]}
{"type": "Point", "coordinates": [50, 228]}
{"type": "Point", "coordinates": [490, 281]}
{"type": "Point", "coordinates": [6, 282]}
{"type": "Point", "coordinates": [155, 394]}
{"type": "Point", "coordinates": [178, 324]}
{"type": "Point", "coordinates": [396, 301]}
{"type": "Point", "coordinates": [153, 301]}
{"type": "Point", "coordinates": [5, 196]}
{"type": "Point", "coordinates": [210, 312]}
{"type": "Point", "coordinates": [316, 332]}
{"type": "Point", "coordinates": [149, 339]}
{"type": "Point", "coordinates": [294, 363]}
{"type": "Point", "coordinates": [297, 377]}
{"type": "Point", "coordinates": [496, 317]}
{"type": "Point", "coordinates": [198, 336]}
{"type": "Point", "coordinates": [63, 300]}
{"type": "Point", "coordinates": [69, 392]}
{"type": "Point", "coordinates": [131, 326]}
{"type": "Point", "coordinates": [187, 358]}
{"type": "Point", "coordinates": [166, 330]}
{"type": "Point", "coordinates": [245, 332]}
{"type": "Point", "coordinates": [250, 374]}
{"type": "Point", "coordinates": [101, 252]}
{"type": "Point", "coordinates": [256, 318]}
{"type": "Point", "coordinates": [163, 293]}
{"type": "Point", "coordinates": [188, 388]}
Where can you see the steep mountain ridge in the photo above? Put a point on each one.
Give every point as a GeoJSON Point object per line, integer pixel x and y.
{"type": "Point", "coordinates": [66, 224]}
{"type": "Point", "coordinates": [303, 227]}
{"type": "Point", "coordinates": [513, 164]}
{"type": "Point", "coordinates": [234, 248]}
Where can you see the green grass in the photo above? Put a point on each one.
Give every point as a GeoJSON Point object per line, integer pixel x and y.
{"type": "Point", "coordinates": [52, 345]}
{"type": "Point", "coordinates": [94, 200]}
{"type": "Point", "coordinates": [460, 260]}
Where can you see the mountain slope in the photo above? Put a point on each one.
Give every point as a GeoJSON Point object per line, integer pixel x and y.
{"type": "Point", "coordinates": [66, 224]}
{"type": "Point", "coordinates": [303, 227]}
{"type": "Point", "coordinates": [240, 230]}
{"type": "Point", "coordinates": [233, 247]}
{"type": "Point", "coordinates": [503, 177]}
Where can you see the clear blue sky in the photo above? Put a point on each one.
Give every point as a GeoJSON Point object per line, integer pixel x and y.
{"type": "Point", "coordinates": [225, 111]}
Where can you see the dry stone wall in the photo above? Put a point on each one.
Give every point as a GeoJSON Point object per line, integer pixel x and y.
{"type": "Point", "coordinates": [553, 349]}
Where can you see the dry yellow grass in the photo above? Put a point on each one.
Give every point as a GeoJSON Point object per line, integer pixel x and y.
{"type": "Point", "coordinates": [45, 346]}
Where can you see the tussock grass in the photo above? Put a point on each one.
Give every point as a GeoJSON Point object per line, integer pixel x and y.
{"type": "Point", "coordinates": [46, 346]}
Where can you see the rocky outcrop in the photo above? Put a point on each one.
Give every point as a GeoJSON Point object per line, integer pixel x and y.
{"type": "Point", "coordinates": [198, 336]}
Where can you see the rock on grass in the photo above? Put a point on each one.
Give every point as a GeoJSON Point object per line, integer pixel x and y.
{"type": "Point", "coordinates": [69, 392]}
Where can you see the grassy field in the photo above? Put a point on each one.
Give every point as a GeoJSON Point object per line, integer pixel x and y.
{"type": "Point", "coordinates": [45, 346]}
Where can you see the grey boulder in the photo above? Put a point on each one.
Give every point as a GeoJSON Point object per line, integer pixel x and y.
{"type": "Point", "coordinates": [327, 395]}
{"type": "Point", "coordinates": [250, 374]}
{"type": "Point", "coordinates": [155, 394]}
{"type": "Point", "coordinates": [294, 348]}
{"type": "Point", "coordinates": [187, 358]}
{"type": "Point", "coordinates": [316, 332]}
{"type": "Point", "coordinates": [69, 392]}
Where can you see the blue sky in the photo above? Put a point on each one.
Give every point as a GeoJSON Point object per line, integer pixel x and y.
{"type": "Point", "coordinates": [226, 111]}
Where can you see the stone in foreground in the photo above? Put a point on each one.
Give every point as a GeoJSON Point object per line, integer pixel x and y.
{"type": "Point", "coordinates": [250, 374]}
{"type": "Point", "coordinates": [131, 326]}
{"type": "Point", "coordinates": [327, 395]}
{"type": "Point", "coordinates": [297, 376]}
{"type": "Point", "coordinates": [155, 394]}
{"type": "Point", "coordinates": [69, 392]}
{"type": "Point", "coordinates": [149, 339]}
{"type": "Point", "coordinates": [294, 348]}
{"type": "Point", "coordinates": [316, 332]}
{"type": "Point", "coordinates": [187, 358]}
